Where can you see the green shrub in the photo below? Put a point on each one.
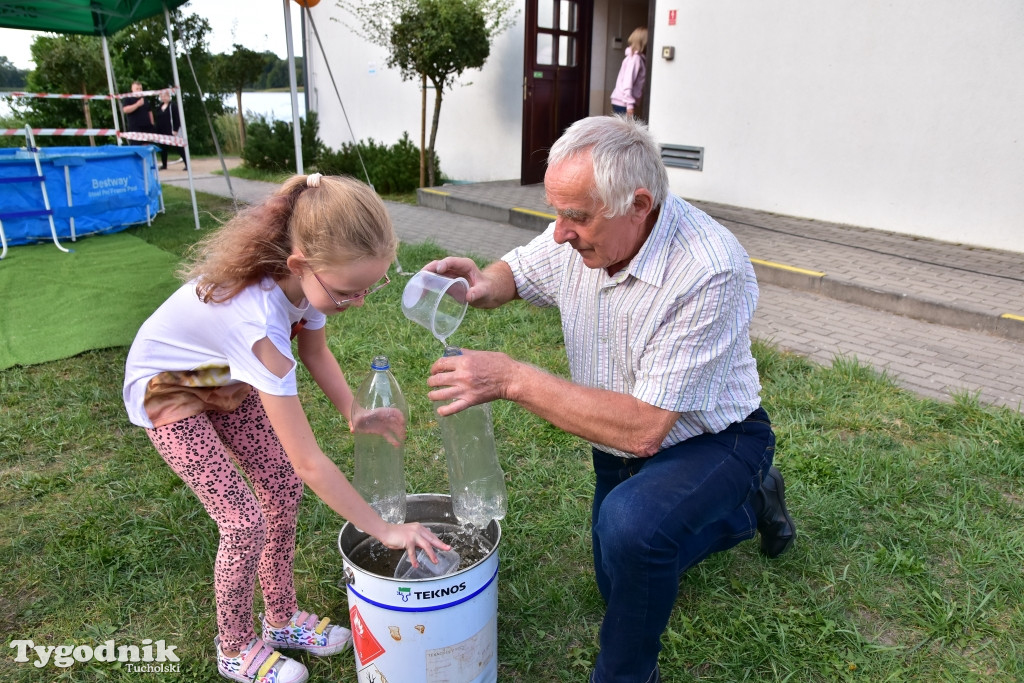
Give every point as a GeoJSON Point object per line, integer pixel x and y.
{"type": "Point", "coordinates": [392, 170]}
{"type": "Point", "coordinates": [270, 146]}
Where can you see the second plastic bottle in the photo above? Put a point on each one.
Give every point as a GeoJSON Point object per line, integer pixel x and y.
{"type": "Point", "coordinates": [475, 478]}
{"type": "Point", "coordinates": [379, 418]}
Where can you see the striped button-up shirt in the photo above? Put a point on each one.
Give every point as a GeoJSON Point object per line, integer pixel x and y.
{"type": "Point", "coordinates": [672, 329]}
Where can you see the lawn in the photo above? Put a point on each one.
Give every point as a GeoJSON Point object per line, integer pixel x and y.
{"type": "Point", "coordinates": [910, 513]}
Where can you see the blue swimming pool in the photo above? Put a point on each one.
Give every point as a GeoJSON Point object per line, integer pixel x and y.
{"type": "Point", "coordinates": [92, 190]}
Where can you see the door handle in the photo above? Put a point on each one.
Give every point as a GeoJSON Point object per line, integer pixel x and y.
{"type": "Point", "coordinates": [524, 88]}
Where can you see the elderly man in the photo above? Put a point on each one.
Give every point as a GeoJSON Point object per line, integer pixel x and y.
{"type": "Point", "coordinates": [656, 300]}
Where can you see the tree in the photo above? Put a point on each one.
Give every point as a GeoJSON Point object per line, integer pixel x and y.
{"type": "Point", "coordinates": [10, 75]}
{"type": "Point", "coordinates": [435, 40]}
{"type": "Point", "coordinates": [240, 69]}
{"type": "Point", "coordinates": [70, 64]}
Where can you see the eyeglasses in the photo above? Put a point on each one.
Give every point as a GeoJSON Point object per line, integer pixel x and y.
{"type": "Point", "coordinates": [341, 304]}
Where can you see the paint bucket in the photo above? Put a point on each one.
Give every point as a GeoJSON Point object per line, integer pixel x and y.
{"type": "Point", "coordinates": [424, 630]}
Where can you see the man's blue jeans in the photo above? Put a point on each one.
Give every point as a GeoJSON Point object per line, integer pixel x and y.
{"type": "Point", "coordinates": [654, 518]}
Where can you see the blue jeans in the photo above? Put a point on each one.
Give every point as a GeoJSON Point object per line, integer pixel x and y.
{"type": "Point", "coordinates": [654, 518]}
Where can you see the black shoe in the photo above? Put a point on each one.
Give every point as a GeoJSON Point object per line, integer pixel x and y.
{"type": "Point", "coordinates": [773, 521]}
{"type": "Point", "coordinates": [163, 168]}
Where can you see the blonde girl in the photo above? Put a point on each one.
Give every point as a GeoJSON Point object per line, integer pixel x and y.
{"type": "Point", "coordinates": [629, 84]}
{"type": "Point", "coordinates": [211, 377]}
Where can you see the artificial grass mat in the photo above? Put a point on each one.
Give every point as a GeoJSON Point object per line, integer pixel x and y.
{"type": "Point", "coordinates": [55, 305]}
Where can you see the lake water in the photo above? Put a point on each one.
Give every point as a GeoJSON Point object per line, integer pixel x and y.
{"type": "Point", "coordinates": [275, 106]}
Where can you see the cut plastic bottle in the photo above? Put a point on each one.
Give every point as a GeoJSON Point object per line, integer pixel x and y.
{"type": "Point", "coordinates": [379, 418]}
{"type": "Point", "coordinates": [475, 478]}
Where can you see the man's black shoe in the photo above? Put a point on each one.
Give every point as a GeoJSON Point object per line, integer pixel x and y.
{"type": "Point", "coordinates": [773, 521]}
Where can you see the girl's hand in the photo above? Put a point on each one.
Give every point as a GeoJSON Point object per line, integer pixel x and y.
{"type": "Point", "coordinates": [387, 422]}
{"type": "Point", "coordinates": [412, 536]}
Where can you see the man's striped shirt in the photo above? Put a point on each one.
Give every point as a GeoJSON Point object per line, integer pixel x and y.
{"type": "Point", "coordinates": [672, 329]}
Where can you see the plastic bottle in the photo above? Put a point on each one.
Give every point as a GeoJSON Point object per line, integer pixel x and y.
{"type": "Point", "coordinates": [475, 479]}
{"type": "Point", "coordinates": [379, 467]}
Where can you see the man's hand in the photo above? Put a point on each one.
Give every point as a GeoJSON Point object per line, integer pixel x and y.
{"type": "Point", "coordinates": [488, 288]}
{"type": "Point", "coordinates": [473, 378]}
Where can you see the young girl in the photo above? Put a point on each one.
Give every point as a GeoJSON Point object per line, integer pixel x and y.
{"type": "Point", "coordinates": [211, 377]}
{"type": "Point", "coordinates": [629, 85]}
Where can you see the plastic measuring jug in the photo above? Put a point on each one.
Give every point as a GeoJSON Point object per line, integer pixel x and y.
{"type": "Point", "coordinates": [435, 302]}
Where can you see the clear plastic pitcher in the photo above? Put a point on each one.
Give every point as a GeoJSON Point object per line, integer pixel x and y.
{"type": "Point", "coordinates": [447, 563]}
{"type": "Point", "coordinates": [435, 302]}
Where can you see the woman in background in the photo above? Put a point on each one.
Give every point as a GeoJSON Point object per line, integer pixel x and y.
{"type": "Point", "coordinates": [167, 123]}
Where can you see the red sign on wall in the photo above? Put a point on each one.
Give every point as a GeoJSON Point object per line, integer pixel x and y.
{"type": "Point", "coordinates": [672, 17]}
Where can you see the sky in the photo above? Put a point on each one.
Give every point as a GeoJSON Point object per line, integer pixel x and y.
{"type": "Point", "coordinates": [256, 24]}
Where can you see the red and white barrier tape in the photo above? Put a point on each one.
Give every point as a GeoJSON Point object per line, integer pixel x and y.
{"type": "Point", "coordinates": [60, 131]}
{"type": "Point", "coordinates": [173, 140]}
{"type": "Point", "coordinates": [63, 96]}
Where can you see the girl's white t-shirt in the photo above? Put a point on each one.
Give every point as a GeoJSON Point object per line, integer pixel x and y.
{"type": "Point", "coordinates": [209, 345]}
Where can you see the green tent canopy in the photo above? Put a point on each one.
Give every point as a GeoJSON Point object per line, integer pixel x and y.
{"type": "Point", "coordinates": [91, 17]}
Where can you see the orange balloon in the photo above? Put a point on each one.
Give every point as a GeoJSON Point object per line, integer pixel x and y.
{"type": "Point", "coordinates": [308, 3]}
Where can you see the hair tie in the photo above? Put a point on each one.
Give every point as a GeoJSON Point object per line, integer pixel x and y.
{"type": "Point", "coordinates": [313, 180]}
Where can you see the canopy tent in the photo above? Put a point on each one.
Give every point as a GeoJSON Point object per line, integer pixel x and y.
{"type": "Point", "coordinates": [106, 17]}
{"type": "Point", "coordinates": [90, 17]}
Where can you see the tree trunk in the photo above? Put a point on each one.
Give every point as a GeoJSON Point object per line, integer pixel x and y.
{"type": "Point", "coordinates": [241, 120]}
{"type": "Point", "coordinates": [438, 94]}
{"type": "Point", "coordinates": [88, 115]}
{"type": "Point", "coordinates": [423, 130]}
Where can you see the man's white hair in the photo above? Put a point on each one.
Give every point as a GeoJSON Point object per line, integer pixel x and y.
{"type": "Point", "coordinates": [625, 159]}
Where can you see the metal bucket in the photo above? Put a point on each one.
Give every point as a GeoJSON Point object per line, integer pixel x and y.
{"type": "Point", "coordinates": [434, 630]}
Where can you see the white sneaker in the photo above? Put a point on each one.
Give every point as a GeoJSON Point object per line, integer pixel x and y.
{"type": "Point", "coordinates": [307, 632]}
{"type": "Point", "coordinates": [259, 663]}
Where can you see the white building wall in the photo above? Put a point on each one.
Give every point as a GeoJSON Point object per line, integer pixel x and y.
{"type": "Point", "coordinates": [902, 116]}
{"type": "Point", "coordinates": [480, 132]}
{"type": "Point", "coordinates": [898, 116]}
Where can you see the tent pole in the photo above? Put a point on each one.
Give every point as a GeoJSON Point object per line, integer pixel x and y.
{"type": "Point", "coordinates": [181, 113]}
{"type": "Point", "coordinates": [296, 125]}
{"type": "Point", "coordinates": [110, 87]}
{"type": "Point", "coordinates": [213, 132]}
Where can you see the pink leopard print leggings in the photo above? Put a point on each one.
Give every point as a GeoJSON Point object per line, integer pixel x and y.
{"type": "Point", "coordinates": [257, 525]}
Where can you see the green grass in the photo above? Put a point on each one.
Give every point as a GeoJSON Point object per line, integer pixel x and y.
{"type": "Point", "coordinates": [910, 512]}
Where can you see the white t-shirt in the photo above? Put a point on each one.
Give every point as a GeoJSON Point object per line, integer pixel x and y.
{"type": "Point", "coordinates": [206, 349]}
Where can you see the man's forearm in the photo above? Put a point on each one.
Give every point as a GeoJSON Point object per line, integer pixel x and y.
{"type": "Point", "coordinates": [598, 415]}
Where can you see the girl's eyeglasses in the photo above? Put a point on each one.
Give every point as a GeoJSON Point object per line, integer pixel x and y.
{"type": "Point", "coordinates": [341, 304]}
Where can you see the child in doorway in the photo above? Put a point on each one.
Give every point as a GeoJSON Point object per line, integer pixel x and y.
{"type": "Point", "coordinates": [211, 376]}
{"type": "Point", "coordinates": [629, 85]}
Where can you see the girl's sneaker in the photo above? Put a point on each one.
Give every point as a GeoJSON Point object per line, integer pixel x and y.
{"type": "Point", "coordinates": [259, 663]}
{"type": "Point", "coordinates": [307, 632]}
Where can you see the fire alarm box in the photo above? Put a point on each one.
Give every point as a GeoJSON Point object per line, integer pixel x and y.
{"type": "Point", "coordinates": [668, 52]}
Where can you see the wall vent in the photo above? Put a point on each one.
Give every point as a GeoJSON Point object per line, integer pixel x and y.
{"type": "Point", "coordinates": [683, 156]}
